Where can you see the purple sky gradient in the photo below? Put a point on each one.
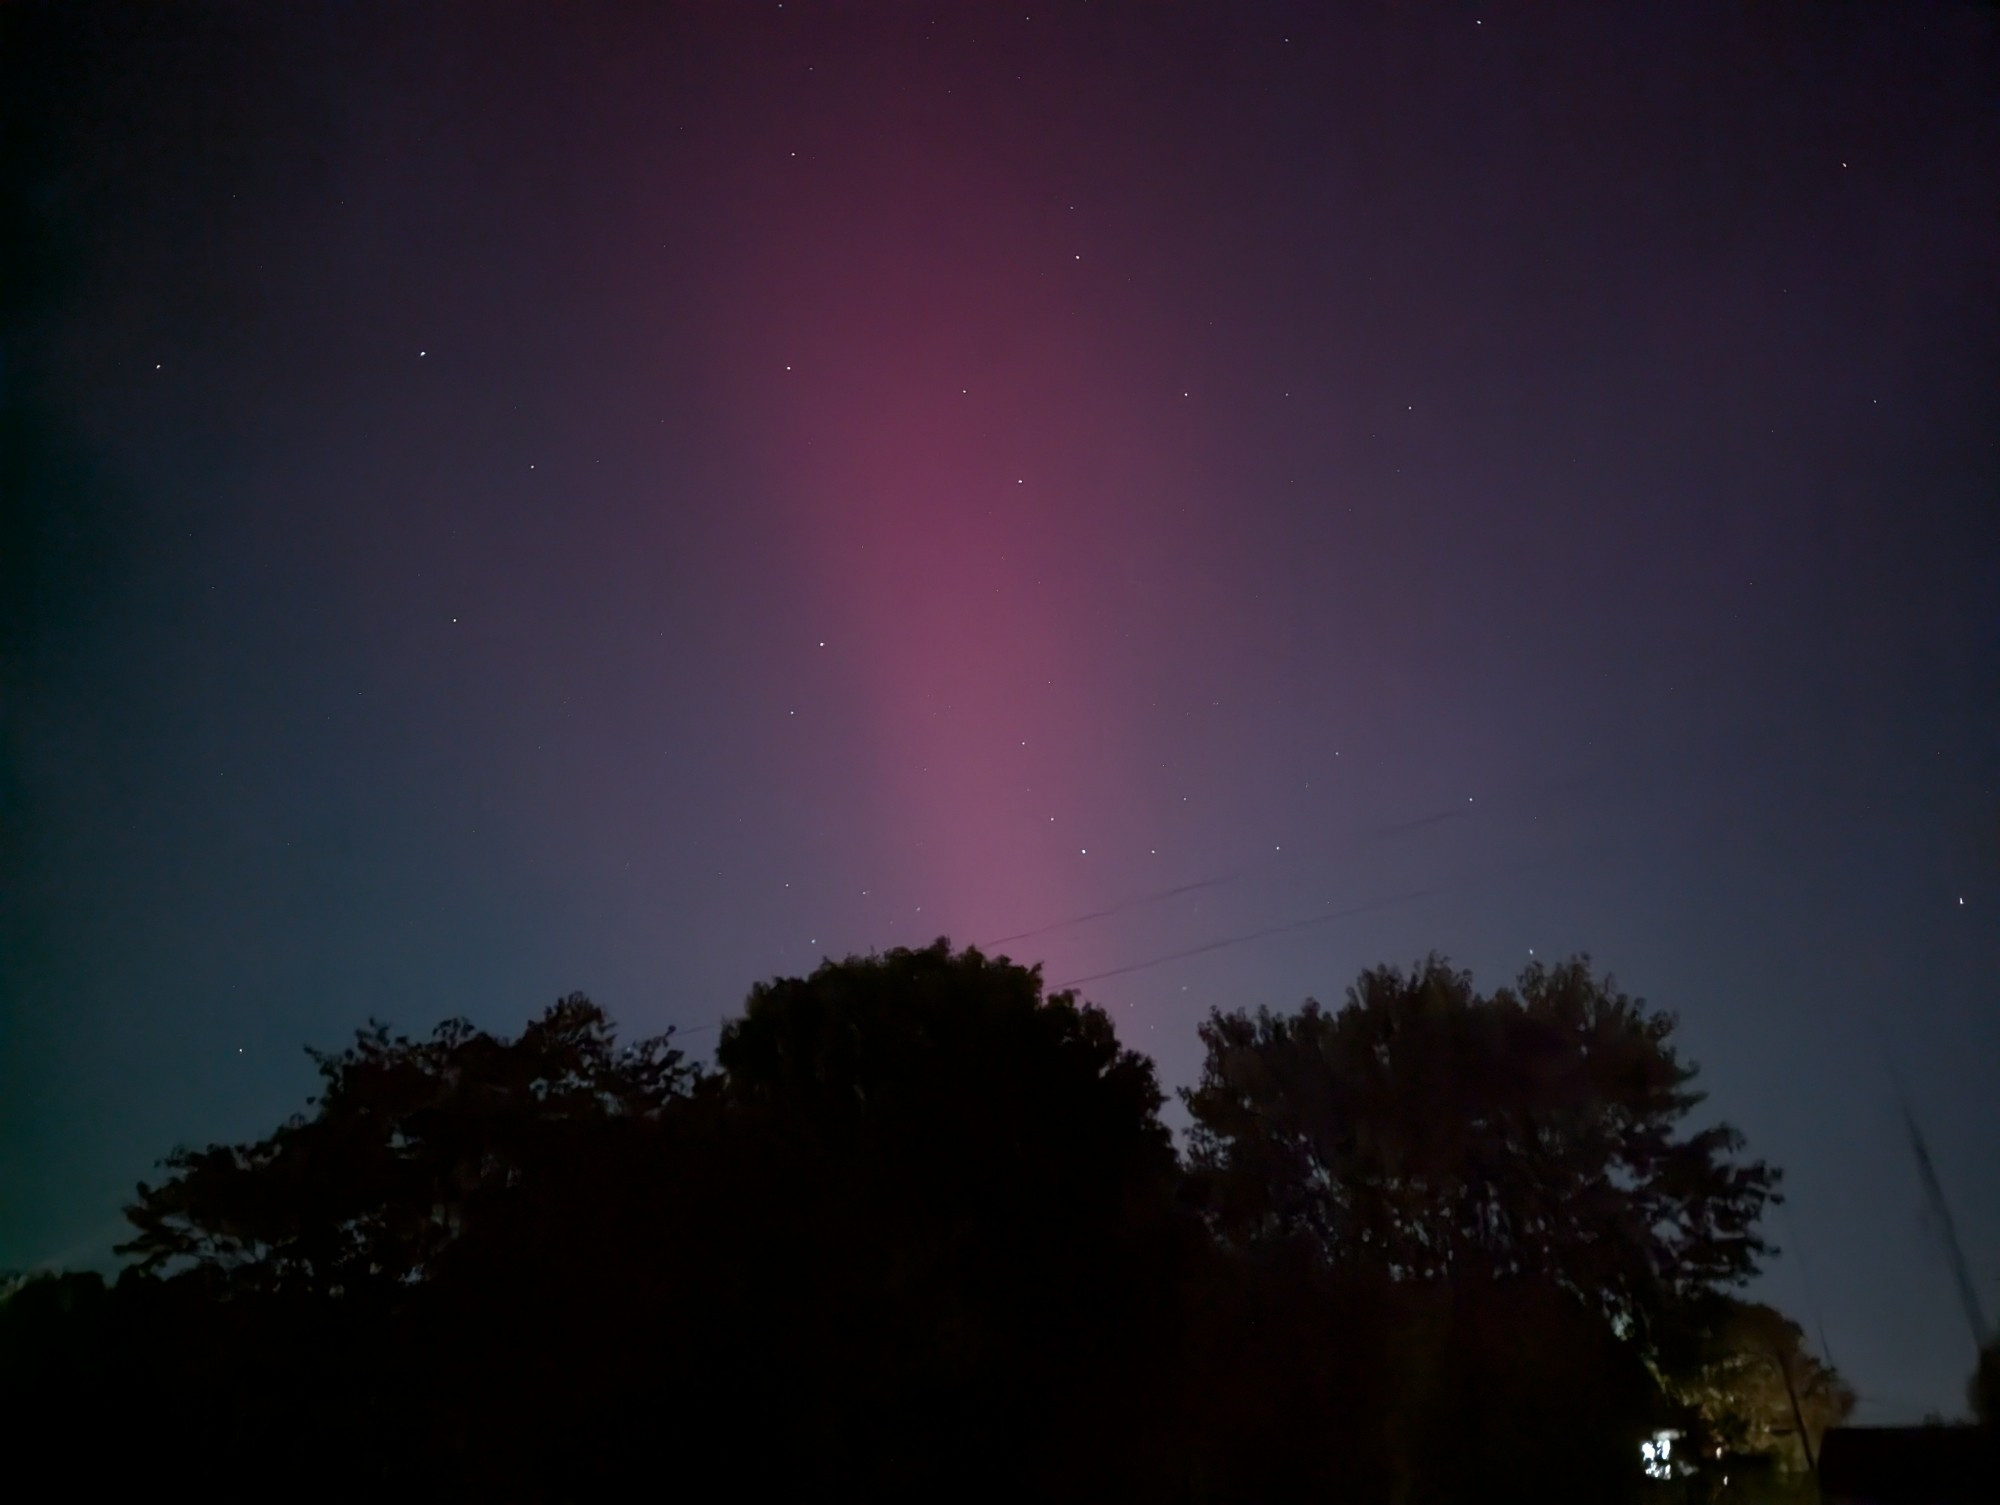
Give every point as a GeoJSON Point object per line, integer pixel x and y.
{"type": "Point", "coordinates": [638, 499]}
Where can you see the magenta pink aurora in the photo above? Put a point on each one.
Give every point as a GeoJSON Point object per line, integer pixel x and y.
{"type": "Point", "coordinates": [985, 477]}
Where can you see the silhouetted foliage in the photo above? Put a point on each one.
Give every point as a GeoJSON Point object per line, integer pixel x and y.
{"type": "Point", "coordinates": [981, 1185]}
{"type": "Point", "coordinates": [407, 1137]}
{"type": "Point", "coordinates": [1752, 1382]}
{"type": "Point", "coordinates": [921, 1233]}
{"type": "Point", "coordinates": [1426, 1132]}
{"type": "Point", "coordinates": [1982, 1391]}
{"type": "Point", "coordinates": [952, 1082]}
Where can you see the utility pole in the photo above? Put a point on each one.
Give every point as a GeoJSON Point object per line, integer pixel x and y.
{"type": "Point", "coordinates": [1798, 1415]}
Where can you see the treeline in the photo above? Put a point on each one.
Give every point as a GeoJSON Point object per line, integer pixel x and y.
{"type": "Point", "coordinates": [920, 1231]}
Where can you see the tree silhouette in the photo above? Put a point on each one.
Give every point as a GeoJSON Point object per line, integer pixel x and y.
{"type": "Point", "coordinates": [1426, 1132]}
{"type": "Point", "coordinates": [407, 1136]}
{"type": "Point", "coordinates": [922, 1232]}
{"type": "Point", "coordinates": [954, 1073]}
{"type": "Point", "coordinates": [1983, 1389]}
{"type": "Point", "coordinates": [978, 1192]}
{"type": "Point", "coordinates": [1755, 1386]}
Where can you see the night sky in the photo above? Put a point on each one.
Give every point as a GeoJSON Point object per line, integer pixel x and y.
{"type": "Point", "coordinates": [504, 500]}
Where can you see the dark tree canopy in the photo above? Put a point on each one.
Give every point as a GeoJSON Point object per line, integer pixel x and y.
{"type": "Point", "coordinates": [1982, 1391]}
{"type": "Point", "coordinates": [1753, 1382]}
{"type": "Point", "coordinates": [953, 1066]}
{"type": "Point", "coordinates": [986, 1190]}
{"type": "Point", "coordinates": [1429, 1132]}
{"type": "Point", "coordinates": [923, 1234]}
{"type": "Point", "coordinates": [405, 1138]}
{"type": "Point", "coordinates": [923, 1216]}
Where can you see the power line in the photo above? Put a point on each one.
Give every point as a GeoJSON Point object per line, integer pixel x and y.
{"type": "Point", "coordinates": [1450, 813]}
{"type": "Point", "coordinates": [1140, 901]}
{"type": "Point", "coordinates": [1327, 918]}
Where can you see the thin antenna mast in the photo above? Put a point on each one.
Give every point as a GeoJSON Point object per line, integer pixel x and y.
{"type": "Point", "coordinates": [1968, 1294]}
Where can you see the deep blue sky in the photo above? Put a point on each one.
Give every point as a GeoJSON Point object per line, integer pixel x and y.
{"type": "Point", "coordinates": [505, 500]}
